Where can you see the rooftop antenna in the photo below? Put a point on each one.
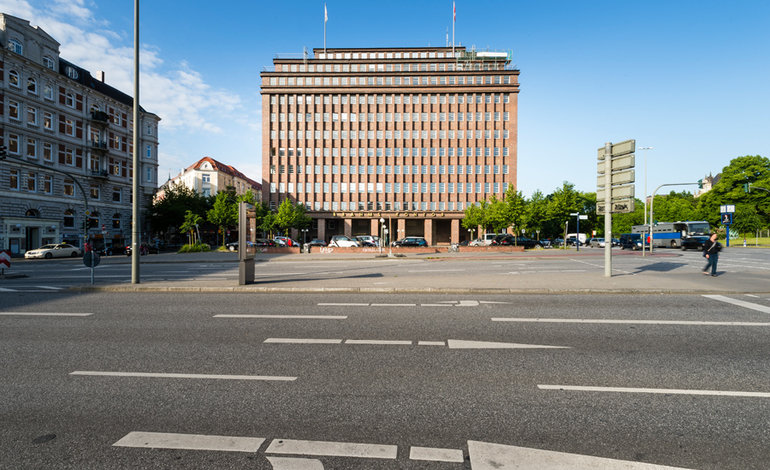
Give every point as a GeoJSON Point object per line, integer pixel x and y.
{"type": "Point", "coordinates": [304, 55]}
{"type": "Point", "coordinates": [447, 36]}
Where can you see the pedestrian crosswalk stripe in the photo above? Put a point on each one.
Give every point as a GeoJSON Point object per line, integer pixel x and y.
{"type": "Point", "coordinates": [161, 440]}
{"type": "Point", "coordinates": [436, 455]}
{"type": "Point", "coordinates": [740, 303]}
{"type": "Point", "coordinates": [332, 449]}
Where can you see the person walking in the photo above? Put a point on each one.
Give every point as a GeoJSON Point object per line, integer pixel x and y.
{"type": "Point", "coordinates": [711, 251]}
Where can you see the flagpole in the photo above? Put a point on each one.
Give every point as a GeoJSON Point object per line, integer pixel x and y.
{"type": "Point", "coordinates": [454, 18]}
{"type": "Point", "coordinates": [325, 17]}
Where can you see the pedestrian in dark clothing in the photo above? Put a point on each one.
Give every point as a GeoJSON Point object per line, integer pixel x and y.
{"type": "Point", "coordinates": [711, 252]}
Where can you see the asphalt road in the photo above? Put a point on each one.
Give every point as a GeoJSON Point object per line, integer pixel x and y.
{"type": "Point", "coordinates": [342, 381]}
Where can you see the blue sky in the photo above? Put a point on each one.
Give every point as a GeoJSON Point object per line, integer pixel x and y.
{"type": "Point", "coordinates": [689, 78]}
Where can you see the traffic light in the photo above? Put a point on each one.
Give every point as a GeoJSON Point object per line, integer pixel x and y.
{"type": "Point", "coordinates": [3, 152]}
{"type": "Point", "coordinates": [700, 184]}
{"type": "Point", "coordinates": [746, 187]}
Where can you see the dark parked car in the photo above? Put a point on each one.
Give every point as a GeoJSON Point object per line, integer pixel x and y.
{"type": "Point", "coordinates": [316, 242]}
{"type": "Point", "coordinates": [510, 240]}
{"type": "Point", "coordinates": [411, 241]}
{"type": "Point", "coordinates": [694, 243]}
{"type": "Point", "coordinates": [632, 241]}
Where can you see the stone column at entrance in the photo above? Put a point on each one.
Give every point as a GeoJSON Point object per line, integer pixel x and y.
{"type": "Point", "coordinates": [322, 229]}
{"type": "Point", "coordinates": [400, 229]}
{"type": "Point", "coordinates": [347, 227]}
{"type": "Point", "coordinates": [374, 227]}
{"type": "Point", "coordinates": [429, 231]}
{"type": "Point", "coordinates": [455, 236]}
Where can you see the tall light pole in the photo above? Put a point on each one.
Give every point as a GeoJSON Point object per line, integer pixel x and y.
{"type": "Point", "coordinates": [382, 232]}
{"type": "Point", "coordinates": [136, 242]}
{"type": "Point", "coordinates": [645, 192]}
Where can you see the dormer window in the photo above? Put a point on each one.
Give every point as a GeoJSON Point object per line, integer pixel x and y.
{"type": "Point", "coordinates": [49, 63]}
{"type": "Point", "coordinates": [15, 46]}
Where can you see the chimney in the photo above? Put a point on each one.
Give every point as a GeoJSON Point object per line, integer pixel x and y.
{"type": "Point", "coordinates": [100, 76]}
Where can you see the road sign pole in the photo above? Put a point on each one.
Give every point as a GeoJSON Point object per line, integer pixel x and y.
{"type": "Point", "coordinates": [607, 210]}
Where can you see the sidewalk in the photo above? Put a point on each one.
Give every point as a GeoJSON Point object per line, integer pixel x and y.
{"type": "Point", "coordinates": [542, 272]}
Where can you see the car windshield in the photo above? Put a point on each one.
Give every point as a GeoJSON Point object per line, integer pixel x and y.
{"type": "Point", "coordinates": [47, 247]}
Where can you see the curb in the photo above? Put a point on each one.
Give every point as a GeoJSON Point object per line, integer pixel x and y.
{"type": "Point", "coordinates": [394, 290]}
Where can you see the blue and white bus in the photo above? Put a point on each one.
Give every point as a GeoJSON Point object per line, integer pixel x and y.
{"type": "Point", "coordinates": [671, 234]}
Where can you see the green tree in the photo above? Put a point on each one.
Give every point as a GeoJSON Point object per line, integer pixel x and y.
{"type": "Point", "coordinates": [168, 212]}
{"type": "Point", "coordinates": [535, 216]}
{"type": "Point", "coordinates": [190, 224]}
{"type": "Point", "coordinates": [516, 209]}
{"type": "Point", "coordinates": [224, 213]}
{"type": "Point", "coordinates": [475, 217]}
{"type": "Point", "coordinates": [746, 219]}
{"type": "Point", "coordinates": [497, 214]}
{"type": "Point", "coordinates": [291, 216]}
{"type": "Point", "coordinates": [561, 204]}
{"type": "Point", "coordinates": [729, 189]}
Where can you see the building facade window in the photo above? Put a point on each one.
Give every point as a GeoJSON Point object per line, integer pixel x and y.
{"type": "Point", "coordinates": [69, 218]}
{"type": "Point", "coordinates": [13, 180]}
{"type": "Point", "coordinates": [69, 188]}
{"type": "Point", "coordinates": [16, 46]}
{"type": "Point", "coordinates": [31, 182]}
{"type": "Point", "coordinates": [94, 191]}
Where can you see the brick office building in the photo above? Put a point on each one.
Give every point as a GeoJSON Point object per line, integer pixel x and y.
{"type": "Point", "coordinates": [411, 136]}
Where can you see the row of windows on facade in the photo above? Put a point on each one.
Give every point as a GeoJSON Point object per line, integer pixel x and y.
{"type": "Point", "coordinates": [69, 126]}
{"type": "Point", "coordinates": [387, 169]}
{"type": "Point", "coordinates": [428, 98]}
{"type": "Point", "coordinates": [392, 81]}
{"type": "Point", "coordinates": [33, 182]}
{"type": "Point", "coordinates": [93, 219]}
{"type": "Point", "coordinates": [383, 205]}
{"type": "Point", "coordinates": [71, 101]}
{"type": "Point", "coordinates": [459, 134]}
{"type": "Point", "coordinates": [389, 55]}
{"type": "Point", "coordinates": [337, 189]}
{"type": "Point", "coordinates": [469, 117]}
{"type": "Point", "coordinates": [15, 45]}
{"type": "Point", "coordinates": [392, 152]}
{"type": "Point", "coordinates": [32, 148]}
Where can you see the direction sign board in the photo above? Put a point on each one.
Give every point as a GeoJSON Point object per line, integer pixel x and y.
{"type": "Point", "coordinates": [727, 218]}
{"type": "Point", "coordinates": [617, 163]}
{"type": "Point", "coordinates": [617, 177]}
{"type": "Point", "coordinates": [618, 192]}
{"type": "Point", "coordinates": [726, 209]}
{"type": "Point", "coordinates": [621, 148]}
{"type": "Point", "coordinates": [618, 206]}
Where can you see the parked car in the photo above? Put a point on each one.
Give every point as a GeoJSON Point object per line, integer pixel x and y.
{"type": "Point", "coordinates": [343, 241]}
{"type": "Point", "coordinates": [316, 242]}
{"type": "Point", "coordinates": [557, 242]}
{"type": "Point", "coordinates": [285, 241]}
{"type": "Point", "coordinates": [631, 241]}
{"type": "Point", "coordinates": [615, 242]}
{"type": "Point", "coordinates": [54, 250]}
{"type": "Point", "coordinates": [596, 243]}
{"type": "Point", "coordinates": [509, 240]}
{"type": "Point", "coordinates": [573, 241]}
{"type": "Point", "coordinates": [476, 242]}
{"type": "Point", "coordinates": [368, 240]}
{"type": "Point", "coordinates": [694, 243]}
{"type": "Point", "coordinates": [411, 241]}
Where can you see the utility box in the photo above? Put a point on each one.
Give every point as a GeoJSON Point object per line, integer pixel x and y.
{"type": "Point", "coordinates": [247, 234]}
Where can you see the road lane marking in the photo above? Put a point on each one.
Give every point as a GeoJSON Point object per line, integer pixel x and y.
{"type": "Point", "coordinates": [341, 304]}
{"type": "Point", "coordinates": [434, 454]}
{"type": "Point", "coordinates": [45, 314]}
{"type": "Point", "coordinates": [291, 463]}
{"type": "Point", "coordinates": [488, 456]}
{"type": "Point", "coordinates": [392, 305]}
{"type": "Point", "coordinates": [740, 303]}
{"type": "Point", "coordinates": [752, 295]}
{"type": "Point", "coordinates": [451, 343]}
{"type": "Point", "coordinates": [182, 376]}
{"type": "Point", "coordinates": [436, 271]}
{"type": "Point", "coordinates": [161, 440]}
{"type": "Point", "coordinates": [379, 341]}
{"type": "Point", "coordinates": [630, 322]}
{"type": "Point", "coordinates": [302, 341]}
{"type": "Point", "coordinates": [332, 449]}
{"type": "Point", "coordinates": [3, 289]}
{"type": "Point", "coordinates": [49, 287]}
{"type": "Point", "coordinates": [460, 344]}
{"type": "Point", "coordinates": [288, 317]}
{"type": "Point", "coordinates": [664, 391]}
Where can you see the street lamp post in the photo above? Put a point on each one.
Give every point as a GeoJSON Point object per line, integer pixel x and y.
{"type": "Point", "coordinates": [382, 233]}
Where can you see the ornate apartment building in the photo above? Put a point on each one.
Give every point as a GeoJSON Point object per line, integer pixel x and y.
{"type": "Point", "coordinates": [208, 176]}
{"type": "Point", "coordinates": [411, 136]}
{"type": "Point", "coordinates": [68, 135]}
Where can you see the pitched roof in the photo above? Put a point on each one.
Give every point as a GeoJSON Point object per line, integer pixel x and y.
{"type": "Point", "coordinates": [227, 169]}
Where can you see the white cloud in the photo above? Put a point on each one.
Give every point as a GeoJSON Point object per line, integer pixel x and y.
{"type": "Point", "coordinates": [178, 94]}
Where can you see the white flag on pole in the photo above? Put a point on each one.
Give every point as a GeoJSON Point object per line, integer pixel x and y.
{"type": "Point", "coordinates": [326, 14]}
